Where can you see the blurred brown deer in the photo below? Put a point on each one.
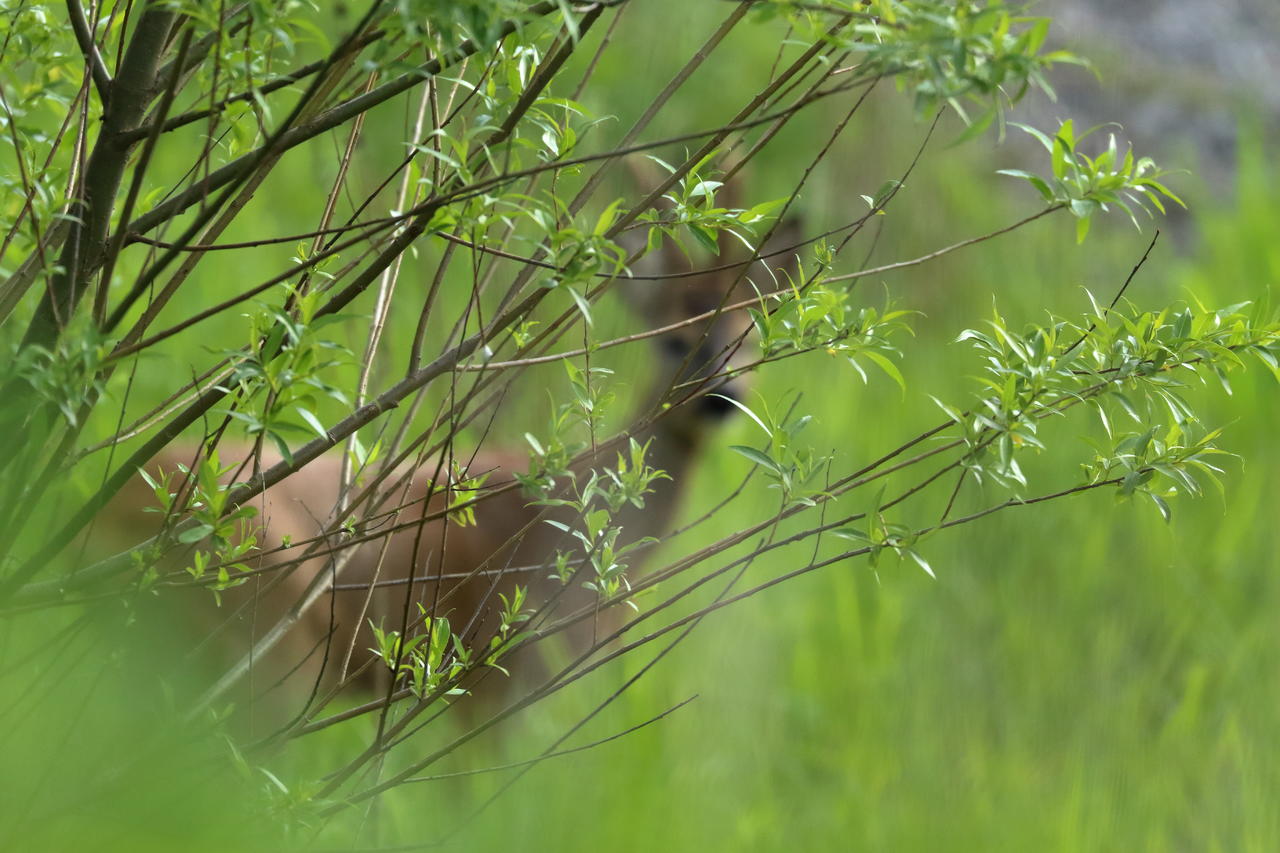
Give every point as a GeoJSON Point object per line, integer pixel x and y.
{"type": "Point", "coordinates": [316, 610]}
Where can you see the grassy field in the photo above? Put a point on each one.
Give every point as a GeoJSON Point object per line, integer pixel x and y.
{"type": "Point", "coordinates": [1079, 676]}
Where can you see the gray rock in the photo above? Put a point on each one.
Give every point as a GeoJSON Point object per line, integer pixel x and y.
{"type": "Point", "coordinates": [1177, 73]}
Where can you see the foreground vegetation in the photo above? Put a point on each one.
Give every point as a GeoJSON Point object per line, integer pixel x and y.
{"type": "Point", "coordinates": [1072, 674]}
{"type": "Point", "coordinates": [1078, 677]}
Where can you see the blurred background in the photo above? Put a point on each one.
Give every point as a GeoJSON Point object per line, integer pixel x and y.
{"type": "Point", "coordinates": [1080, 675]}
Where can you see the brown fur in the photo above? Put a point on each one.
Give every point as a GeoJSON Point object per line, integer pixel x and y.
{"type": "Point", "coordinates": [334, 631]}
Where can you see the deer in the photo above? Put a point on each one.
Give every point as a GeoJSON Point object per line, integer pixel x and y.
{"type": "Point", "coordinates": [347, 611]}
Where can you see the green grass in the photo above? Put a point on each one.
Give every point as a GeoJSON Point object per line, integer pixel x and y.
{"type": "Point", "coordinates": [1080, 676]}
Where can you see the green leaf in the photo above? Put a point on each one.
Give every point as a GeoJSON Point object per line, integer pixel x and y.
{"type": "Point", "coordinates": [1082, 228]}
{"type": "Point", "coordinates": [705, 236]}
{"type": "Point", "coordinates": [1040, 136]}
{"type": "Point", "coordinates": [583, 308]}
{"type": "Point", "coordinates": [606, 218]}
{"type": "Point", "coordinates": [195, 534]}
{"type": "Point", "coordinates": [313, 421]}
{"type": "Point", "coordinates": [1035, 180]}
{"type": "Point", "coordinates": [743, 407]}
{"type": "Point", "coordinates": [920, 561]}
{"type": "Point", "coordinates": [1162, 505]}
{"type": "Point", "coordinates": [281, 445]}
{"type": "Point", "coordinates": [976, 127]}
{"type": "Point", "coordinates": [888, 367]}
{"type": "Point", "coordinates": [758, 457]}
{"type": "Point", "coordinates": [886, 191]}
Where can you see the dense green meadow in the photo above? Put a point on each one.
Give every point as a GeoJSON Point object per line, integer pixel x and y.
{"type": "Point", "coordinates": [1080, 675]}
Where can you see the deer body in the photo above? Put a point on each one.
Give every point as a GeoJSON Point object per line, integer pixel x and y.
{"type": "Point", "coordinates": [458, 572]}
{"type": "Point", "coordinates": [308, 627]}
